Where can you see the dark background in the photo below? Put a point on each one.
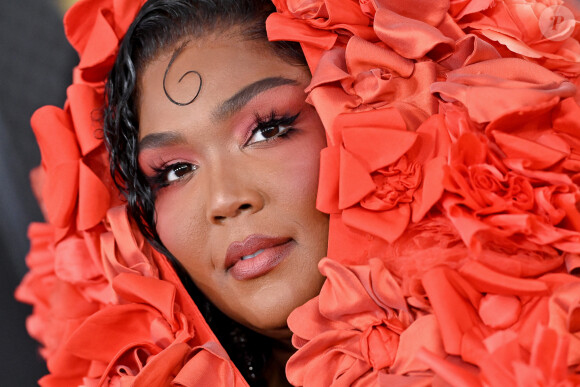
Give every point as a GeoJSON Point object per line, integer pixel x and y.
{"type": "Point", "coordinates": [35, 69]}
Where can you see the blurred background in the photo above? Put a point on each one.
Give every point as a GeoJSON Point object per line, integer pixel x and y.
{"type": "Point", "coordinates": [35, 68]}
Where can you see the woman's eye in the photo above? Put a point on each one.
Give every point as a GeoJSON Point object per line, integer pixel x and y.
{"type": "Point", "coordinates": [268, 133]}
{"type": "Point", "coordinates": [178, 171]}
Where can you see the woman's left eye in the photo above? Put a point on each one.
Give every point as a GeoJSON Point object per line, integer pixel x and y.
{"type": "Point", "coordinates": [271, 128]}
{"type": "Point", "coordinates": [268, 133]}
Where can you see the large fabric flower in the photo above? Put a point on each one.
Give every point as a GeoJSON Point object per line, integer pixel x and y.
{"type": "Point", "coordinates": [381, 191]}
{"type": "Point", "coordinates": [507, 349]}
{"type": "Point", "coordinates": [318, 25]}
{"type": "Point", "coordinates": [77, 183]}
{"type": "Point", "coordinates": [416, 29]}
{"type": "Point", "coordinates": [506, 173]}
{"type": "Point", "coordinates": [77, 189]}
{"type": "Point", "coordinates": [58, 307]}
{"type": "Point", "coordinates": [94, 29]}
{"type": "Point", "coordinates": [333, 15]}
{"type": "Point", "coordinates": [353, 82]}
{"type": "Point", "coordinates": [355, 330]}
{"type": "Point", "coordinates": [486, 197]}
{"type": "Point", "coordinates": [499, 87]}
{"type": "Point", "coordinates": [530, 29]}
{"type": "Point", "coordinates": [120, 340]}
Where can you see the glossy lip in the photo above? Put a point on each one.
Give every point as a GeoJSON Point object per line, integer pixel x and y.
{"type": "Point", "coordinates": [275, 250]}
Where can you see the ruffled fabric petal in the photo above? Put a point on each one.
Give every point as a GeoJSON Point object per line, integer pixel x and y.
{"type": "Point", "coordinates": [522, 84]}
{"type": "Point", "coordinates": [524, 29]}
{"type": "Point", "coordinates": [411, 38]}
{"type": "Point", "coordinates": [94, 30]}
{"type": "Point", "coordinates": [359, 313]}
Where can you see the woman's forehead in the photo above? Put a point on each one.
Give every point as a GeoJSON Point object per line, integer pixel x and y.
{"type": "Point", "coordinates": [200, 76]}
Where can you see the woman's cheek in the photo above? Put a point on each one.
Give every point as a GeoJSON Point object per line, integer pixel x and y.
{"type": "Point", "coordinates": [173, 222]}
{"type": "Point", "coordinates": [307, 166]}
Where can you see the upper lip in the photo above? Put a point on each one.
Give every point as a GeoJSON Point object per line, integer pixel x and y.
{"type": "Point", "coordinates": [250, 245]}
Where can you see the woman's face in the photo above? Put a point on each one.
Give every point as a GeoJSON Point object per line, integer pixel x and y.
{"type": "Point", "coordinates": [237, 171]}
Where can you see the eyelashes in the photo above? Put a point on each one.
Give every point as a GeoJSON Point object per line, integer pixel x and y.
{"type": "Point", "coordinates": [170, 173]}
{"type": "Point", "coordinates": [271, 128]}
{"type": "Point", "coordinates": [267, 130]}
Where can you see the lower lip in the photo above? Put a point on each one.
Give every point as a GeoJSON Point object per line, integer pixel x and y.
{"type": "Point", "coordinates": [262, 263]}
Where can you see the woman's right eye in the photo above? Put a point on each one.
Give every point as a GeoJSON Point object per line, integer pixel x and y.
{"type": "Point", "coordinates": [175, 172]}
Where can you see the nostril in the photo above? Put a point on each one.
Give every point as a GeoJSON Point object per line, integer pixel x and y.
{"type": "Point", "coordinates": [221, 214]}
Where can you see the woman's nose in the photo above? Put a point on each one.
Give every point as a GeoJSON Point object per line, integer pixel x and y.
{"type": "Point", "coordinates": [231, 193]}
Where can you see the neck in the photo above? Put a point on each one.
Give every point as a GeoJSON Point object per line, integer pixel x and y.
{"type": "Point", "coordinates": [276, 368]}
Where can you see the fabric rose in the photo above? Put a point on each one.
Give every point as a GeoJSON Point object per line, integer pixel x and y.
{"type": "Point", "coordinates": [506, 174]}
{"type": "Point", "coordinates": [120, 339]}
{"type": "Point", "coordinates": [90, 260]}
{"type": "Point", "coordinates": [77, 183]}
{"type": "Point", "coordinates": [526, 29]}
{"type": "Point", "coordinates": [379, 189]}
{"type": "Point", "coordinates": [140, 321]}
{"type": "Point", "coordinates": [324, 24]}
{"type": "Point", "coordinates": [564, 311]}
{"type": "Point", "coordinates": [58, 308]}
{"type": "Point", "coordinates": [486, 198]}
{"type": "Point", "coordinates": [552, 142]}
{"type": "Point", "coordinates": [354, 328]}
{"type": "Point", "coordinates": [470, 299]}
{"type": "Point", "coordinates": [77, 189]}
{"type": "Point", "coordinates": [415, 29]}
{"type": "Point", "coordinates": [332, 15]}
{"type": "Point", "coordinates": [503, 362]}
{"type": "Point", "coordinates": [318, 25]}
{"type": "Point", "coordinates": [494, 88]}
{"type": "Point", "coordinates": [133, 322]}
{"type": "Point", "coordinates": [355, 82]}
{"type": "Point", "coordinates": [94, 29]}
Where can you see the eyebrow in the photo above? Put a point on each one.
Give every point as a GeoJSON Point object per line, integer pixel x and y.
{"type": "Point", "coordinates": [158, 140]}
{"type": "Point", "coordinates": [242, 97]}
{"type": "Point", "coordinates": [225, 109]}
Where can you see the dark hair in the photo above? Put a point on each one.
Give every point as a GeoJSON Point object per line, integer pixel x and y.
{"type": "Point", "coordinates": [161, 25]}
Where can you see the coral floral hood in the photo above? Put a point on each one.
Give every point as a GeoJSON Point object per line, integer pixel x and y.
{"type": "Point", "coordinates": [451, 178]}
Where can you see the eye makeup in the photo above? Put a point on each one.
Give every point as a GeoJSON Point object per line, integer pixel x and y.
{"type": "Point", "coordinates": [267, 130]}
{"type": "Point", "coordinates": [270, 128]}
{"type": "Point", "coordinates": [171, 173]}
{"type": "Point", "coordinates": [167, 163]}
